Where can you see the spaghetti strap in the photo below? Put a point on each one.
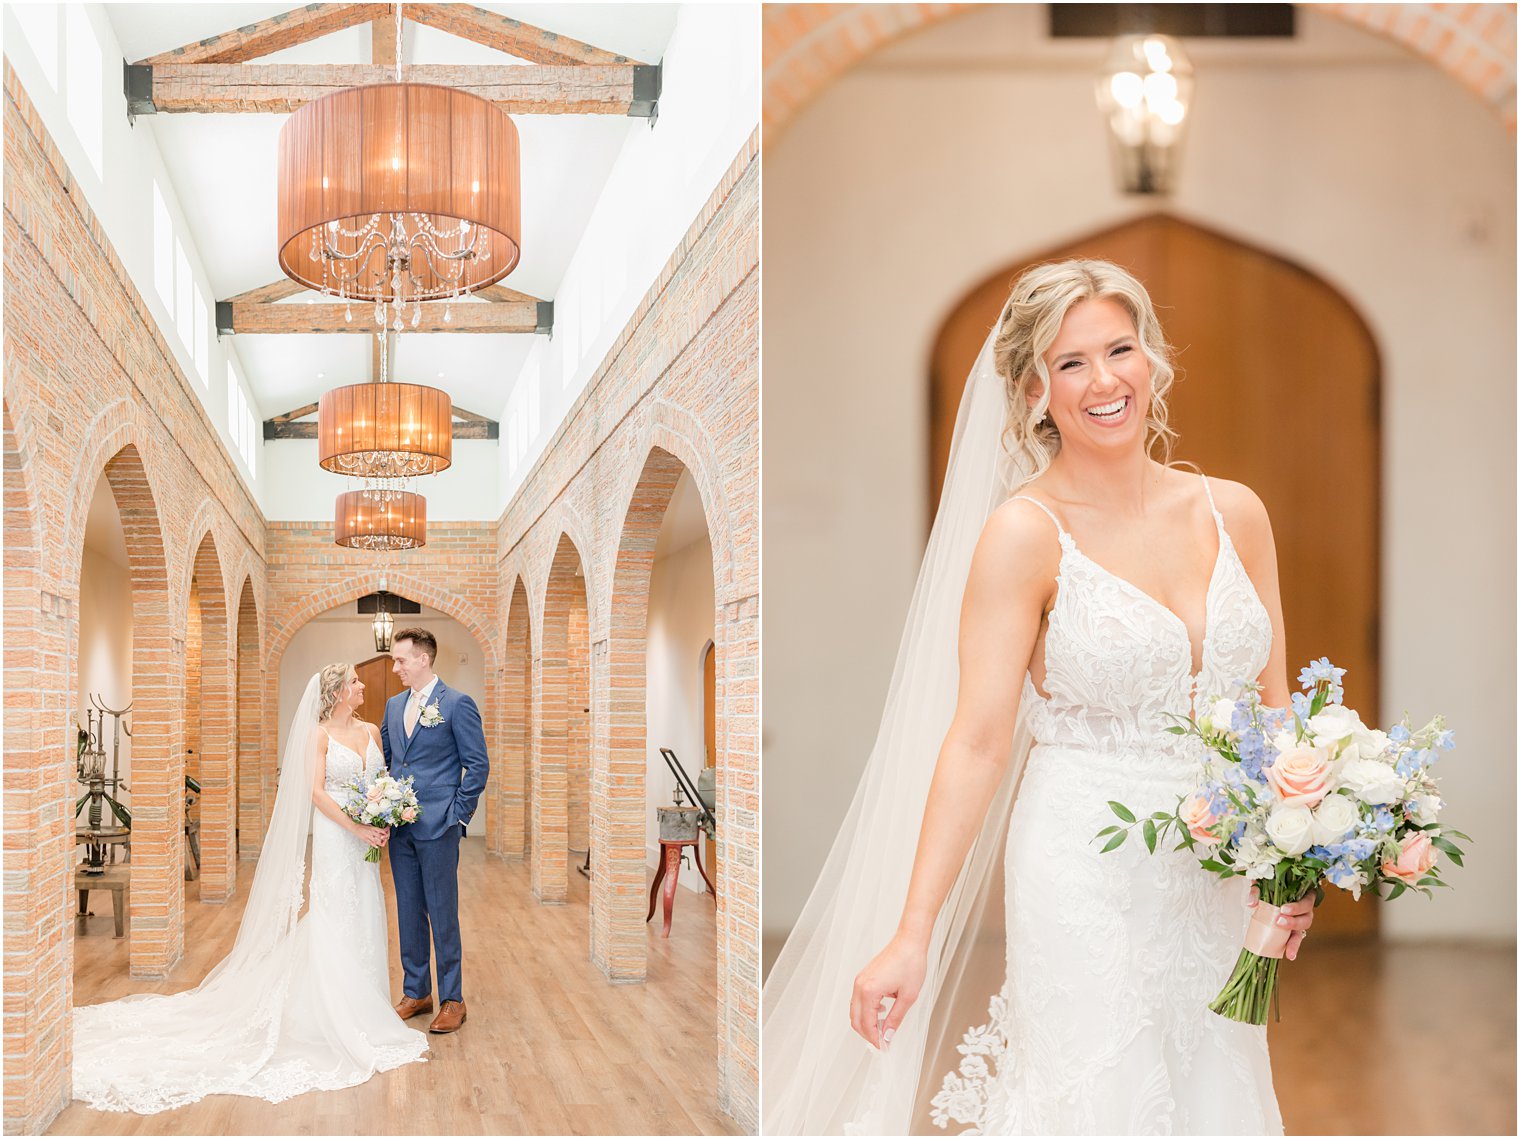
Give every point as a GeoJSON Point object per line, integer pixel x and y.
{"type": "Point", "coordinates": [1049, 513]}
{"type": "Point", "coordinates": [1218, 518]}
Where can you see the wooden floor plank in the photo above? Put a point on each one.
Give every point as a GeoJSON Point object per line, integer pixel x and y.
{"type": "Point", "coordinates": [550, 1047]}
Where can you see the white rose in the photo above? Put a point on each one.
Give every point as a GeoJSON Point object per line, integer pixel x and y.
{"type": "Point", "coordinates": [1423, 808]}
{"type": "Point", "coordinates": [1371, 743]}
{"type": "Point", "coordinates": [1372, 781]}
{"type": "Point", "coordinates": [392, 791]}
{"type": "Point", "coordinates": [1290, 828]}
{"type": "Point", "coordinates": [1334, 818]}
{"type": "Point", "coordinates": [1285, 740]}
{"type": "Point", "coordinates": [1334, 724]}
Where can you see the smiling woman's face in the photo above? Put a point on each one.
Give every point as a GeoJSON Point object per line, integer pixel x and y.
{"type": "Point", "coordinates": [1100, 379]}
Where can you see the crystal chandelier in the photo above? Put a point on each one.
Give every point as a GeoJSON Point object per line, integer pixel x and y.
{"type": "Point", "coordinates": [384, 431]}
{"type": "Point", "coordinates": [363, 523]}
{"type": "Point", "coordinates": [397, 193]}
{"type": "Point", "coordinates": [1144, 93]}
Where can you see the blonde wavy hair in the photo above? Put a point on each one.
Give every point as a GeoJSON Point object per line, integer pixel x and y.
{"type": "Point", "coordinates": [332, 680]}
{"type": "Point", "coordinates": [1031, 320]}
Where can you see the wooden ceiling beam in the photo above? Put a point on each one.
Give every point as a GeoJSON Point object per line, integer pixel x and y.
{"type": "Point", "coordinates": [384, 41]}
{"type": "Point", "coordinates": [630, 89]}
{"type": "Point", "coordinates": [466, 425]}
{"type": "Point", "coordinates": [505, 34]}
{"type": "Point", "coordinates": [274, 34]}
{"type": "Point", "coordinates": [240, 318]}
{"type": "Point", "coordinates": [264, 294]}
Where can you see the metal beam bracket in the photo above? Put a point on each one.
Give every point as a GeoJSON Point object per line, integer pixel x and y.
{"type": "Point", "coordinates": [137, 82]}
{"type": "Point", "coordinates": [646, 92]}
{"type": "Point", "coordinates": [545, 325]}
{"type": "Point", "coordinates": [224, 319]}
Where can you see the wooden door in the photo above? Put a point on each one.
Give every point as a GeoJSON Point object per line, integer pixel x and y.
{"type": "Point", "coordinates": [1278, 388]}
{"type": "Point", "coordinates": [380, 684]}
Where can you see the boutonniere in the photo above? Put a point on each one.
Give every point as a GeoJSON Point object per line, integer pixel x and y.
{"type": "Point", "coordinates": [431, 717]}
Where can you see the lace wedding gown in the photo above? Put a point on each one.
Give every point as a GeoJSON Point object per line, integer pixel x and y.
{"type": "Point", "coordinates": [322, 1014]}
{"type": "Point", "coordinates": [1102, 1026]}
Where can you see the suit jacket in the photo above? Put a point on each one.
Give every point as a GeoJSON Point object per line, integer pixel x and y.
{"type": "Point", "coordinates": [448, 761]}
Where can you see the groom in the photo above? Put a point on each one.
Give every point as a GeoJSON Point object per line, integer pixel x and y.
{"type": "Point", "coordinates": [433, 734]}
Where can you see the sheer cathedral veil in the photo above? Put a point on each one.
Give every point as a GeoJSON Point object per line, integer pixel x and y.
{"type": "Point", "coordinates": [818, 1076]}
{"type": "Point", "coordinates": [149, 1052]}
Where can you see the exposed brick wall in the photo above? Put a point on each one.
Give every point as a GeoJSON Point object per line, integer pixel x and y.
{"type": "Point", "coordinates": [679, 390]}
{"type": "Point", "coordinates": [807, 46]}
{"type": "Point", "coordinates": [92, 390]}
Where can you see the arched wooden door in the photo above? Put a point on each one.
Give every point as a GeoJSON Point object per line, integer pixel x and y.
{"type": "Point", "coordinates": [380, 684]}
{"type": "Point", "coordinates": [1278, 388]}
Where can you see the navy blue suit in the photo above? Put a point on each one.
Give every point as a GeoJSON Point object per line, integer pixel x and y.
{"type": "Point", "coordinates": [449, 766]}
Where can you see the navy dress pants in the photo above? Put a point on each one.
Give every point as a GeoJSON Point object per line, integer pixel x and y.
{"type": "Point", "coordinates": [426, 877]}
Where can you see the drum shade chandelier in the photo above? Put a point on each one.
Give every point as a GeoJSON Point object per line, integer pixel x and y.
{"type": "Point", "coordinates": [364, 522]}
{"type": "Point", "coordinates": [399, 192]}
{"type": "Point", "coordinates": [1144, 93]}
{"type": "Point", "coordinates": [385, 430]}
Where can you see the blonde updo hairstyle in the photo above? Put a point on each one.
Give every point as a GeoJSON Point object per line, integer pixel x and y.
{"type": "Point", "coordinates": [1031, 320]}
{"type": "Point", "coordinates": [332, 680]}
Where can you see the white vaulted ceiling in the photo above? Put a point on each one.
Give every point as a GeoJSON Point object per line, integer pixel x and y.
{"type": "Point", "coordinates": [222, 168]}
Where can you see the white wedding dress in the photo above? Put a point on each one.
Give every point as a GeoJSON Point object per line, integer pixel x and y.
{"type": "Point", "coordinates": [1102, 1026]}
{"type": "Point", "coordinates": [314, 1014]}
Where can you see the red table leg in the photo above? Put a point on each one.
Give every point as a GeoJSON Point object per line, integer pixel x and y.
{"type": "Point", "coordinates": [654, 888]}
{"type": "Point", "coordinates": [672, 874]}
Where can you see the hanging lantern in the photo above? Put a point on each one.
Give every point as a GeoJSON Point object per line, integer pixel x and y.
{"type": "Point", "coordinates": [1144, 93]}
{"type": "Point", "coordinates": [383, 626]}
{"type": "Point", "coordinates": [385, 430]}
{"type": "Point", "coordinates": [399, 192]}
{"type": "Point", "coordinates": [364, 522]}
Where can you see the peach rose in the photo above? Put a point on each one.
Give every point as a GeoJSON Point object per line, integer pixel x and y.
{"type": "Point", "coordinates": [408, 814]}
{"type": "Point", "coordinates": [373, 792]}
{"type": "Point", "coordinates": [1301, 775]}
{"type": "Point", "coordinates": [1415, 859]}
{"type": "Point", "coordinates": [1198, 818]}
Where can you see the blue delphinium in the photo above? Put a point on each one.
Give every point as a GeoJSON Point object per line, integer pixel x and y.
{"type": "Point", "coordinates": [1399, 734]}
{"type": "Point", "coordinates": [1320, 670]}
{"type": "Point", "coordinates": [1446, 739]}
{"type": "Point", "coordinates": [1300, 704]}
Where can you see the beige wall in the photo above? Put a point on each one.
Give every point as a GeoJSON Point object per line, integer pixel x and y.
{"type": "Point", "coordinates": [105, 652]}
{"type": "Point", "coordinates": [680, 625]}
{"type": "Point", "coordinates": [963, 148]}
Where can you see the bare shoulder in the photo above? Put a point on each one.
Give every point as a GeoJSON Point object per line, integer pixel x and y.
{"type": "Point", "coordinates": [1019, 544]}
{"type": "Point", "coordinates": [1245, 515]}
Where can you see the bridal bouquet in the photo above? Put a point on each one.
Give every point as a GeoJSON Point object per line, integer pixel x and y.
{"type": "Point", "coordinates": [382, 802]}
{"type": "Point", "coordinates": [1292, 797]}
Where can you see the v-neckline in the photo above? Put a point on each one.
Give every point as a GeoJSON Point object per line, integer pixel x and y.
{"type": "Point", "coordinates": [369, 742]}
{"type": "Point", "coordinates": [1070, 544]}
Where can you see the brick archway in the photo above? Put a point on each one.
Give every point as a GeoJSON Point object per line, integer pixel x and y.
{"type": "Point", "coordinates": [209, 720]}
{"type": "Point", "coordinates": [38, 956]}
{"type": "Point", "coordinates": [561, 687]}
{"type": "Point", "coordinates": [508, 832]}
{"type": "Point", "coordinates": [808, 46]}
{"type": "Point", "coordinates": [157, 936]}
{"type": "Point", "coordinates": [248, 689]}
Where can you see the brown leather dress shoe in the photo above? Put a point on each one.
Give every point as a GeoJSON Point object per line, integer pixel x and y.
{"type": "Point", "coordinates": [450, 1016]}
{"type": "Point", "coordinates": [409, 1007]}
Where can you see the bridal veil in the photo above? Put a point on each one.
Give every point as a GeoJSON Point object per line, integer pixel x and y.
{"type": "Point", "coordinates": [148, 1053]}
{"type": "Point", "coordinates": [818, 1077]}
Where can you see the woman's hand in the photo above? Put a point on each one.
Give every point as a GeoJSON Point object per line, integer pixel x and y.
{"type": "Point", "coordinates": [898, 972]}
{"type": "Point", "coordinates": [375, 836]}
{"type": "Point", "coordinates": [1297, 916]}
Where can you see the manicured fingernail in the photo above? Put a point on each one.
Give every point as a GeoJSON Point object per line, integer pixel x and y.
{"type": "Point", "coordinates": [886, 1037]}
{"type": "Point", "coordinates": [1282, 919]}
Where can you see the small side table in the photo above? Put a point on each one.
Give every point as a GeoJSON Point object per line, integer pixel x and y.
{"type": "Point", "coordinates": [114, 879]}
{"type": "Point", "coordinates": [670, 871]}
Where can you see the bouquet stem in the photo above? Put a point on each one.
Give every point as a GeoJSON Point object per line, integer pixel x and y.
{"type": "Point", "coordinates": [372, 854]}
{"type": "Point", "coordinates": [1252, 986]}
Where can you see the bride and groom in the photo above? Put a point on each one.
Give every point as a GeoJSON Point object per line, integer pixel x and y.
{"type": "Point", "coordinates": [302, 1002]}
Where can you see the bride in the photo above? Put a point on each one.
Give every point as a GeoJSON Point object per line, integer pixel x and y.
{"type": "Point", "coordinates": [298, 1005]}
{"type": "Point", "coordinates": [1109, 592]}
